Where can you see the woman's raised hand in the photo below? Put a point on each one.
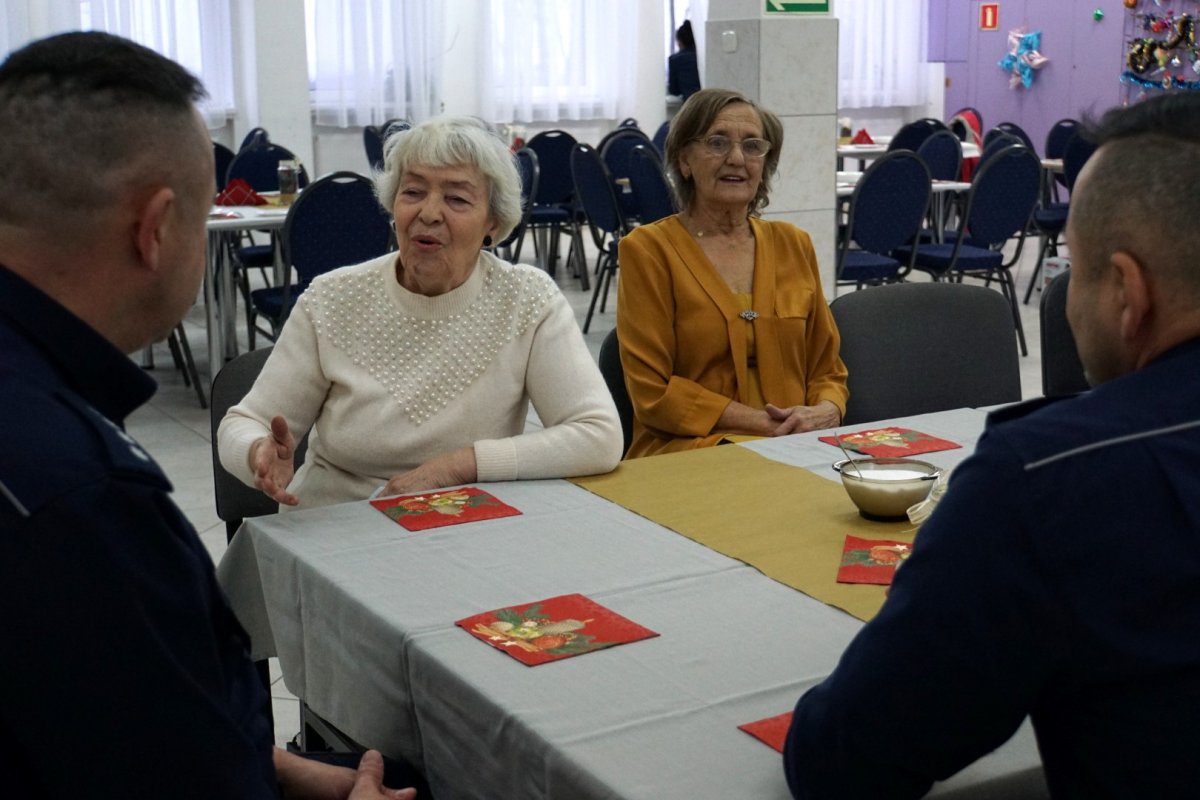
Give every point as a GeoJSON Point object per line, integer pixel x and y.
{"type": "Point", "coordinates": [273, 460]}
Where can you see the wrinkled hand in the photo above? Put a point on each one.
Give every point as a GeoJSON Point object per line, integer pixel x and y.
{"type": "Point", "coordinates": [273, 460]}
{"type": "Point", "coordinates": [799, 419]}
{"type": "Point", "coordinates": [368, 782]}
{"type": "Point", "coordinates": [306, 779]}
{"type": "Point", "coordinates": [449, 469]}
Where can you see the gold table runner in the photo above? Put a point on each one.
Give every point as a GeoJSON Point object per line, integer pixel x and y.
{"type": "Point", "coordinates": [784, 521]}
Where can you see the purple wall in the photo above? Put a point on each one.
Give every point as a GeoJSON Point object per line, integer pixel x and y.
{"type": "Point", "coordinates": [947, 21]}
{"type": "Point", "coordinates": [1086, 59]}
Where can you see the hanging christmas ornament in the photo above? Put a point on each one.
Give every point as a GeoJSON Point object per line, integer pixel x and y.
{"type": "Point", "coordinates": [1098, 14]}
{"type": "Point", "coordinates": [1131, 3]}
{"type": "Point", "coordinates": [1141, 55]}
{"type": "Point", "coordinates": [1182, 30]}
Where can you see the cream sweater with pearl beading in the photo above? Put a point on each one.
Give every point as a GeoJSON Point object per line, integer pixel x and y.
{"type": "Point", "coordinates": [388, 379]}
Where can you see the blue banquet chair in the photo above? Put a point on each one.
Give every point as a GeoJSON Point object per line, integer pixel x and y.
{"type": "Point", "coordinates": [336, 222]}
{"type": "Point", "coordinates": [942, 153]}
{"type": "Point", "coordinates": [594, 187]}
{"type": "Point", "coordinates": [886, 209]}
{"type": "Point", "coordinates": [660, 138]}
{"type": "Point", "coordinates": [255, 137]}
{"type": "Point", "coordinates": [373, 146]}
{"type": "Point", "coordinates": [222, 158]}
{"type": "Point", "coordinates": [530, 172]}
{"type": "Point", "coordinates": [1060, 133]}
{"type": "Point", "coordinates": [615, 148]}
{"type": "Point", "coordinates": [1003, 195]}
{"type": "Point", "coordinates": [554, 208]}
{"type": "Point", "coordinates": [1051, 220]}
{"type": "Point", "coordinates": [652, 194]}
{"type": "Point", "coordinates": [910, 136]}
{"type": "Point", "coordinates": [1013, 129]}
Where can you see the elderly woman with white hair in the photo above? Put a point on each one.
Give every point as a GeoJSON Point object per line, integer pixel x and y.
{"type": "Point", "coordinates": [415, 370]}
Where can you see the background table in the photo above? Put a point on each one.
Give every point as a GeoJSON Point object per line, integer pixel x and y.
{"type": "Point", "coordinates": [361, 614]}
{"type": "Point", "coordinates": [220, 298]}
{"type": "Point", "coordinates": [866, 152]}
{"type": "Point", "coordinates": [846, 181]}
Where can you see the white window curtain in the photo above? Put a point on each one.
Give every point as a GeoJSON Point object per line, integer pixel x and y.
{"type": "Point", "coordinates": [194, 33]}
{"type": "Point", "coordinates": [374, 60]}
{"type": "Point", "coordinates": [881, 53]}
{"type": "Point", "coordinates": [14, 26]}
{"type": "Point", "coordinates": [551, 60]}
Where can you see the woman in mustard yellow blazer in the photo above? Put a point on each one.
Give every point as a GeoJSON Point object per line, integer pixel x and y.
{"type": "Point", "coordinates": [723, 326]}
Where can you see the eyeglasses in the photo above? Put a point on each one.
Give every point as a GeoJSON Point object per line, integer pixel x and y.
{"type": "Point", "coordinates": [721, 145]}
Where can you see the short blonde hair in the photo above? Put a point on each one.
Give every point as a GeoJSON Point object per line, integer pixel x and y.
{"type": "Point", "coordinates": [695, 118]}
{"type": "Point", "coordinates": [455, 142]}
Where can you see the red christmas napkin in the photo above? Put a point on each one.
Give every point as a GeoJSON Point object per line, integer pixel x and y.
{"type": "Point", "coordinates": [771, 731]}
{"type": "Point", "coordinates": [239, 193]}
{"type": "Point", "coordinates": [862, 137]}
{"type": "Point", "coordinates": [891, 442]}
{"type": "Point", "coordinates": [419, 512]}
{"type": "Point", "coordinates": [871, 560]}
{"type": "Point", "coordinates": [553, 629]}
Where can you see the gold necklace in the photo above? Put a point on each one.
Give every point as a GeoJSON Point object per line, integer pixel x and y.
{"type": "Point", "coordinates": [700, 234]}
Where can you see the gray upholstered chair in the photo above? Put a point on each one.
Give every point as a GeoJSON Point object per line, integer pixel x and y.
{"type": "Point", "coordinates": [1062, 372]}
{"type": "Point", "coordinates": [913, 348]}
{"type": "Point", "coordinates": [235, 500]}
{"type": "Point", "coordinates": [614, 376]}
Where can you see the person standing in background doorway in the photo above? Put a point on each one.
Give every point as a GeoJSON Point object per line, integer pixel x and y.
{"type": "Point", "coordinates": [683, 72]}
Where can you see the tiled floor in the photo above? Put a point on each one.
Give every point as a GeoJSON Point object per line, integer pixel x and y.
{"type": "Point", "coordinates": [175, 430]}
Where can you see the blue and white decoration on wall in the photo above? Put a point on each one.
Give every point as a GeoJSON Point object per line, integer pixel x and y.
{"type": "Point", "coordinates": [1023, 57]}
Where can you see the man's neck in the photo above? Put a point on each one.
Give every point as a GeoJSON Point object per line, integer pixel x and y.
{"type": "Point", "coordinates": [81, 283]}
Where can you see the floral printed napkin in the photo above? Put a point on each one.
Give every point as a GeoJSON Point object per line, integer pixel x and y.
{"type": "Point", "coordinates": [553, 629]}
{"type": "Point", "coordinates": [871, 560]}
{"type": "Point", "coordinates": [891, 442]}
{"type": "Point", "coordinates": [419, 512]}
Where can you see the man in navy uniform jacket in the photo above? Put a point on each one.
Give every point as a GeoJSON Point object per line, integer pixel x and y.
{"type": "Point", "coordinates": [1059, 577]}
{"type": "Point", "coordinates": [123, 672]}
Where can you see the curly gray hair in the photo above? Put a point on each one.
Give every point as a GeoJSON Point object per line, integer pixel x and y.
{"type": "Point", "coordinates": [454, 142]}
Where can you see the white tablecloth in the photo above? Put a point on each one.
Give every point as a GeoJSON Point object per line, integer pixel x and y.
{"type": "Point", "coordinates": [361, 614]}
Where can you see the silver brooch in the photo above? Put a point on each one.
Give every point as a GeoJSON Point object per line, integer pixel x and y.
{"type": "Point", "coordinates": [749, 316]}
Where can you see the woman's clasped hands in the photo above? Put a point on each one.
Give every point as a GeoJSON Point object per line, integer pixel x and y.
{"type": "Point", "coordinates": [799, 419]}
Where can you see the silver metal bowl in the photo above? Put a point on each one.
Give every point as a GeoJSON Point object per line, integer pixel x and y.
{"type": "Point", "coordinates": [884, 488]}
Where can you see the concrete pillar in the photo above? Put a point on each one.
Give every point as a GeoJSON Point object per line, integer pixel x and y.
{"type": "Point", "coordinates": [787, 64]}
{"type": "Point", "coordinates": [272, 87]}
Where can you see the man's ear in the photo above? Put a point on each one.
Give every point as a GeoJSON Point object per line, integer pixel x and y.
{"type": "Point", "coordinates": [1133, 293]}
{"type": "Point", "coordinates": [151, 227]}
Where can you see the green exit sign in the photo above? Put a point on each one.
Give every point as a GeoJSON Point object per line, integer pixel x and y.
{"type": "Point", "coordinates": [798, 7]}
